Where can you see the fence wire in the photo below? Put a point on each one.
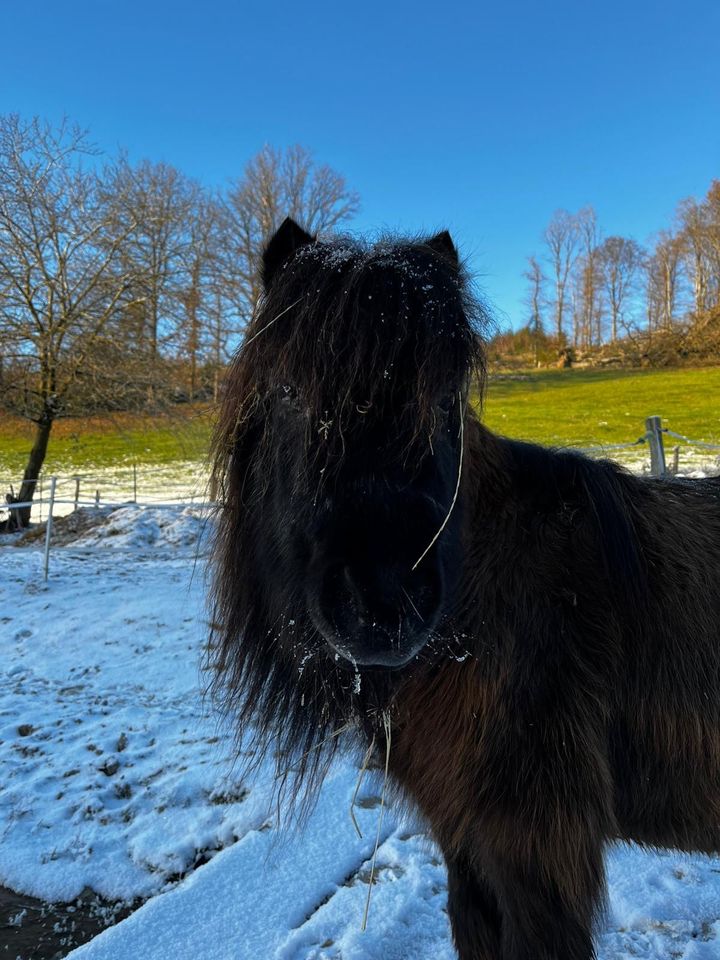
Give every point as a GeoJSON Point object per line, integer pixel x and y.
{"type": "Point", "coordinates": [694, 443]}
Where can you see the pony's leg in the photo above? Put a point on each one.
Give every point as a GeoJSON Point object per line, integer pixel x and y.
{"type": "Point", "coordinates": [474, 914]}
{"type": "Point", "coordinates": [548, 909]}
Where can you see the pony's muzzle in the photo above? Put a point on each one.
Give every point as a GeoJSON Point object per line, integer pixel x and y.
{"type": "Point", "coordinates": [378, 615]}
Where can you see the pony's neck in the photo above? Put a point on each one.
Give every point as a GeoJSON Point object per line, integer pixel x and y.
{"type": "Point", "coordinates": [486, 485]}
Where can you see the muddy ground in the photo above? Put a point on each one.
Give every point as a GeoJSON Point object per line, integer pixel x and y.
{"type": "Point", "coordinates": [35, 930]}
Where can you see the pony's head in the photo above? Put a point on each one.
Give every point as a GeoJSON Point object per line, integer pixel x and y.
{"type": "Point", "coordinates": [338, 455]}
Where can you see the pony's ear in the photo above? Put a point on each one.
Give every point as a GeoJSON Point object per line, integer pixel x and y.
{"type": "Point", "coordinates": [442, 243]}
{"type": "Point", "coordinates": [288, 238]}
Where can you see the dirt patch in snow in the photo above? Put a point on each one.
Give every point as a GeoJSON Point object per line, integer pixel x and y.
{"type": "Point", "coordinates": [33, 929]}
{"type": "Point", "coordinates": [69, 528]}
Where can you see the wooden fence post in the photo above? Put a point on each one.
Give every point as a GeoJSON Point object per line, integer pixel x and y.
{"type": "Point", "coordinates": [134, 483]}
{"type": "Point", "coordinates": [653, 425]}
{"type": "Point", "coordinates": [48, 527]}
{"type": "Point", "coordinates": [77, 492]}
{"type": "Point", "coordinates": [676, 460]}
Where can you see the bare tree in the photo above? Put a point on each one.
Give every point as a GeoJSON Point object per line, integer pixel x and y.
{"type": "Point", "coordinates": [700, 229]}
{"type": "Point", "coordinates": [60, 247]}
{"type": "Point", "coordinates": [712, 204]}
{"type": "Point", "coordinates": [535, 300]}
{"type": "Point", "coordinates": [589, 306]}
{"type": "Point", "coordinates": [620, 260]}
{"type": "Point", "coordinates": [275, 184]}
{"type": "Point", "coordinates": [205, 331]}
{"type": "Point", "coordinates": [162, 205]}
{"type": "Point", "coordinates": [696, 231]}
{"type": "Point", "coordinates": [584, 281]}
{"type": "Point", "coordinates": [663, 281]}
{"type": "Point", "coordinates": [561, 238]}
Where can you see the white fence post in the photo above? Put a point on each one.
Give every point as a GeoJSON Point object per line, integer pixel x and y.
{"type": "Point", "coordinates": [48, 528]}
{"type": "Point", "coordinates": [653, 425]}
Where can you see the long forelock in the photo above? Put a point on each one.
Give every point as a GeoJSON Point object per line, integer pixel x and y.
{"type": "Point", "coordinates": [352, 325]}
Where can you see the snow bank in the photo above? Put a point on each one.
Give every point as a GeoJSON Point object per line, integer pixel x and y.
{"type": "Point", "coordinates": [133, 527]}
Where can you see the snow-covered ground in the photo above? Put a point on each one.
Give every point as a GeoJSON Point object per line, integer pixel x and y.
{"type": "Point", "coordinates": [115, 775]}
{"type": "Point", "coordinates": [177, 481]}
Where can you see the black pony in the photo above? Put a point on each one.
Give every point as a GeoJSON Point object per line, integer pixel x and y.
{"type": "Point", "coordinates": [540, 631]}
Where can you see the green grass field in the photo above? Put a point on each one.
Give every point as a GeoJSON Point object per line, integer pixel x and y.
{"type": "Point", "coordinates": [558, 407]}
{"type": "Point", "coordinates": [78, 445]}
{"type": "Point", "coordinates": [586, 407]}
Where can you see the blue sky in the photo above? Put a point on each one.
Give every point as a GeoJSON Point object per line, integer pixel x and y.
{"type": "Point", "coordinates": [480, 117]}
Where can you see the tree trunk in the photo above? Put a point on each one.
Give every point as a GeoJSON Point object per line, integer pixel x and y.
{"type": "Point", "coordinates": [559, 308]}
{"type": "Point", "coordinates": [34, 466]}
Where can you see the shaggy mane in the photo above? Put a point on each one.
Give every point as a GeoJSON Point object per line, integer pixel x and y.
{"type": "Point", "coordinates": [349, 327]}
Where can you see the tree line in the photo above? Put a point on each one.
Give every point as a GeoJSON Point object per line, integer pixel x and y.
{"type": "Point", "coordinates": [127, 285]}
{"type": "Point", "coordinates": [585, 290]}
